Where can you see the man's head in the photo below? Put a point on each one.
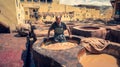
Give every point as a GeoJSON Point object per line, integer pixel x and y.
{"type": "Point", "coordinates": [58, 19]}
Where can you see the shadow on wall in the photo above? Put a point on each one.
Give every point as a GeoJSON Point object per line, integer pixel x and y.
{"type": "Point", "coordinates": [27, 54]}
{"type": "Point", "coordinates": [4, 28]}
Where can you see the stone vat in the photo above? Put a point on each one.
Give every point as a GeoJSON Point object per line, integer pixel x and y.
{"type": "Point", "coordinates": [109, 55]}
{"type": "Point", "coordinates": [57, 58]}
{"type": "Point", "coordinates": [69, 57]}
{"type": "Point", "coordinates": [89, 31]}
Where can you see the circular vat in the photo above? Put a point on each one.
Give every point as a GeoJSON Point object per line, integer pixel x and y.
{"type": "Point", "coordinates": [61, 56]}
{"type": "Point", "coordinates": [109, 57]}
{"type": "Point", "coordinates": [87, 59]}
{"type": "Point", "coordinates": [51, 45]}
{"type": "Point", "coordinates": [89, 31]}
{"type": "Point", "coordinates": [76, 56]}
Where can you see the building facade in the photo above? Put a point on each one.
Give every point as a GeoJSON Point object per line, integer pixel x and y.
{"type": "Point", "coordinates": [46, 10]}
{"type": "Point", "coordinates": [11, 13]}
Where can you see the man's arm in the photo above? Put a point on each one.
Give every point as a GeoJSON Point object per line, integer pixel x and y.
{"type": "Point", "coordinates": [68, 29]}
{"type": "Point", "coordinates": [48, 33]}
{"type": "Point", "coordinates": [51, 28]}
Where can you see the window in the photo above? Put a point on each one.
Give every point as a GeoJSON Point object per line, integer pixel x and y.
{"type": "Point", "coordinates": [0, 11]}
{"type": "Point", "coordinates": [49, 1]}
{"type": "Point", "coordinates": [87, 11]}
{"type": "Point", "coordinates": [29, 0]}
{"type": "Point", "coordinates": [26, 12]}
{"type": "Point", "coordinates": [18, 14]}
{"type": "Point", "coordinates": [42, 0]}
{"type": "Point", "coordinates": [17, 3]}
{"type": "Point", "coordinates": [22, 0]}
{"type": "Point", "coordinates": [53, 16]}
{"type": "Point", "coordinates": [44, 17]}
{"type": "Point", "coordinates": [36, 0]}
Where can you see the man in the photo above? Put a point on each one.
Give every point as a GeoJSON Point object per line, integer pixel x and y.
{"type": "Point", "coordinates": [59, 28]}
{"type": "Point", "coordinates": [36, 15]}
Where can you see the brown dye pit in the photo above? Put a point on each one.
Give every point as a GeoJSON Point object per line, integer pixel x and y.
{"type": "Point", "coordinates": [60, 46]}
{"type": "Point", "coordinates": [100, 60]}
{"type": "Point", "coordinates": [90, 28]}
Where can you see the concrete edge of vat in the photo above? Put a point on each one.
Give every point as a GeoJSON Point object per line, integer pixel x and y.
{"type": "Point", "coordinates": [112, 49]}
{"type": "Point", "coordinates": [99, 32]}
{"type": "Point", "coordinates": [47, 55]}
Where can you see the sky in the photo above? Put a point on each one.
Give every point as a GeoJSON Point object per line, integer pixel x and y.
{"type": "Point", "coordinates": [87, 2]}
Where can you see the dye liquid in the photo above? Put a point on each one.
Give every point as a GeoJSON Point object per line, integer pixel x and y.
{"type": "Point", "coordinates": [101, 60]}
{"type": "Point", "coordinates": [60, 46]}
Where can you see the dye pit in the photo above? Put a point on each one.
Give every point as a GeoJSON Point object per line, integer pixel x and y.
{"type": "Point", "coordinates": [60, 46]}
{"type": "Point", "coordinates": [89, 31]}
{"type": "Point", "coordinates": [66, 54]}
{"type": "Point", "coordinates": [72, 54]}
{"type": "Point", "coordinates": [98, 60]}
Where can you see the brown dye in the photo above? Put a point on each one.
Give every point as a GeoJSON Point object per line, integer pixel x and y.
{"type": "Point", "coordinates": [101, 60]}
{"type": "Point", "coordinates": [60, 46]}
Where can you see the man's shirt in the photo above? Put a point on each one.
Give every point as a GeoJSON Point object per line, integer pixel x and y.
{"type": "Point", "coordinates": [58, 28]}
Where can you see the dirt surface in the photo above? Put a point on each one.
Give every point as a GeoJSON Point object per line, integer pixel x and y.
{"type": "Point", "coordinates": [56, 58]}
{"type": "Point", "coordinates": [11, 49]}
